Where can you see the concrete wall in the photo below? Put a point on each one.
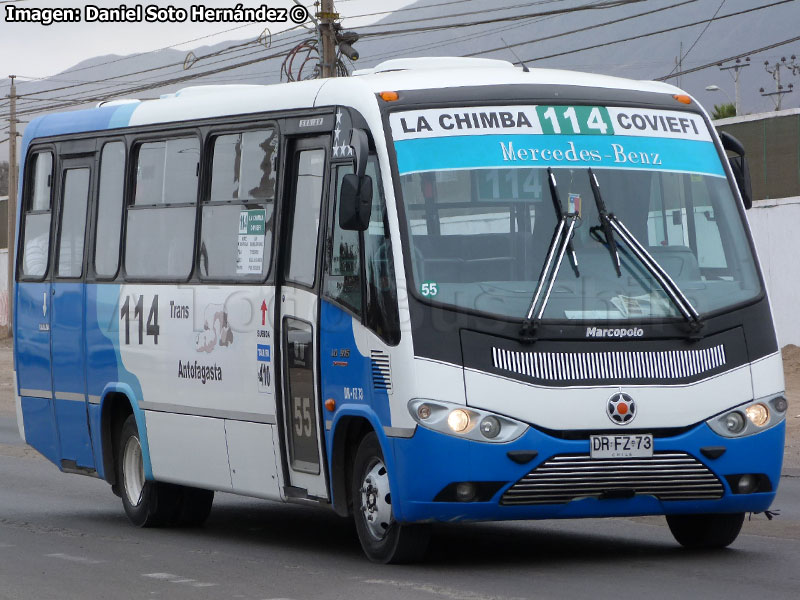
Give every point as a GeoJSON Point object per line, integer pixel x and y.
{"type": "Point", "coordinates": [776, 230]}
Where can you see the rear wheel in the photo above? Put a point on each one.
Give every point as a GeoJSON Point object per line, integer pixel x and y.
{"type": "Point", "coordinates": [383, 539]}
{"type": "Point", "coordinates": [705, 531]}
{"type": "Point", "coordinates": [147, 503]}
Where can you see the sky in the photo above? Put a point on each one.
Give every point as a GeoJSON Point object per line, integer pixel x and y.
{"type": "Point", "coordinates": [32, 50]}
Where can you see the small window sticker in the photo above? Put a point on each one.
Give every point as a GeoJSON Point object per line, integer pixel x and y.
{"type": "Point", "coordinates": [574, 204]}
{"type": "Point", "coordinates": [429, 289]}
{"type": "Point", "coordinates": [250, 245]}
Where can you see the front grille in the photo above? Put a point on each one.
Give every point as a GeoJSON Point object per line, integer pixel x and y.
{"type": "Point", "coordinates": [665, 475]}
{"type": "Point", "coordinates": [593, 366]}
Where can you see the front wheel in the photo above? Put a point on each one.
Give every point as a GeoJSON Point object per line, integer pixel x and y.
{"type": "Point", "coordinates": [705, 531]}
{"type": "Point", "coordinates": [383, 539]}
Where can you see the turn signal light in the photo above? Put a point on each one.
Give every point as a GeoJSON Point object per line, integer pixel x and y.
{"type": "Point", "coordinates": [330, 404]}
{"type": "Point", "coordinates": [389, 96]}
{"type": "Point", "coordinates": [683, 98]}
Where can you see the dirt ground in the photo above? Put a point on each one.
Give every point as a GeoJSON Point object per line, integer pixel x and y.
{"type": "Point", "coordinates": [791, 366]}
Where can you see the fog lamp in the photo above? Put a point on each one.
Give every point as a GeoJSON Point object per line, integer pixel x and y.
{"type": "Point", "coordinates": [424, 411]}
{"type": "Point", "coordinates": [490, 427]}
{"type": "Point", "coordinates": [758, 414]}
{"type": "Point", "coordinates": [734, 422]}
{"type": "Point", "coordinates": [465, 491]}
{"type": "Point", "coordinates": [458, 420]}
{"type": "Point", "coordinates": [746, 484]}
{"type": "Point", "coordinates": [780, 404]}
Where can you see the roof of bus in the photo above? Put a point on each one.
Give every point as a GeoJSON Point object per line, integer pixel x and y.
{"type": "Point", "coordinates": [397, 75]}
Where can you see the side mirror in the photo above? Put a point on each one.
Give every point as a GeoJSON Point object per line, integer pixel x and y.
{"type": "Point", "coordinates": [355, 202]}
{"type": "Point", "coordinates": [739, 167]}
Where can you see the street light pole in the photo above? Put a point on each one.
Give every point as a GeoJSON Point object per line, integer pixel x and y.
{"type": "Point", "coordinates": [716, 88]}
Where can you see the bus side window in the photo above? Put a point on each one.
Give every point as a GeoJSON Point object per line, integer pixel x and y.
{"type": "Point", "coordinates": [381, 286]}
{"type": "Point", "coordinates": [343, 272]}
{"type": "Point", "coordinates": [75, 199]}
{"type": "Point", "coordinates": [237, 217]}
{"type": "Point", "coordinates": [343, 257]}
{"type": "Point", "coordinates": [159, 240]}
{"type": "Point", "coordinates": [36, 245]}
{"type": "Point", "coordinates": [109, 209]}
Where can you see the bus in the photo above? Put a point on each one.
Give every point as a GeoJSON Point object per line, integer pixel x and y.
{"type": "Point", "coordinates": [441, 289]}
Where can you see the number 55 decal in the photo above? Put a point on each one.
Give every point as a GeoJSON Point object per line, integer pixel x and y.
{"type": "Point", "coordinates": [303, 421]}
{"type": "Point", "coordinates": [429, 289]}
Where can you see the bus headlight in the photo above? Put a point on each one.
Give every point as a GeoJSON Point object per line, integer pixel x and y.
{"type": "Point", "coordinates": [758, 414]}
{"type": "Point", "coordinates": [465, 422]}
{"type": "Point", "coordinates": [458, 420]}
{"type": "Point", "coordinates": [750, 418]}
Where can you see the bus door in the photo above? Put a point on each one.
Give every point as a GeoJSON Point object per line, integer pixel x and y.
{"type": "Point", "coordinates": [300, 404]}
{"type": "Point", "coordinates": [68, 298]}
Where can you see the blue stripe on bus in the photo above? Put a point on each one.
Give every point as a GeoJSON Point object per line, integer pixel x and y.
{"type": "Point", "coordinates": [107, 373]}
{"type": "Point", "coordinates": [341, 376]}
{"type": "Point", "coordinates": [525, 151]}
{"type": "Point", "coordinates": [78, 121]}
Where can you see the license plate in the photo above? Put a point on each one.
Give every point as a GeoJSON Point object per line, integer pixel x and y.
{"type": "Point", "coordinates": [621, 446]}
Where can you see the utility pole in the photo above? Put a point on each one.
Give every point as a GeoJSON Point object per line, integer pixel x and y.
{"type": "Point", "coordinates": [736, 68]}
{"type": "Point", "coordinates": [327, 17]}
{"type": "Point", "coordinates": [775, 71]}
{"type": "Point", "coordinates": [12, 195]}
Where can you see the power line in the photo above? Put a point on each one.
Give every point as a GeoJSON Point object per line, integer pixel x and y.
{"type": "Point", "coordinates": [582, 29]}
{"type": "Point", "coordinates": [151, 86]}
{"type": "Point", "coordinates": [451, 40]}
{"type": "Point", "coordinates": [723, 60]}
{"type": "Point", "coordinates": [644, 35]}
{"type": "Point", "coordinates": [152, 69]}
{"type": "Point", "coordinates": [560, 11]}
{"type": "Point", "coordinates": [120, 86]}
{"type": "Point", "coordinates": [681, 58]}
{"type": "Point", "coordinates": [474, 12]}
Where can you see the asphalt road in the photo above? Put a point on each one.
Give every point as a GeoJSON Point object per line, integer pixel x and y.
{"type": "Point", "coordinates": [66, 536]}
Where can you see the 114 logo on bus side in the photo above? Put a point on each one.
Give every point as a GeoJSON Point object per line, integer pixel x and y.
{"type": "Point", "coordinates": [152, 328]}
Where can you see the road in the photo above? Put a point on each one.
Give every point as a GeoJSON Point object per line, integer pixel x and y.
{"type": "Point", "coordinates": [66, 536]}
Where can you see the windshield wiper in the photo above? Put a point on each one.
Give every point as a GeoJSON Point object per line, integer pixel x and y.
{"type": "Point", "coordinates": [561, 243]}
{"type": "Point", "coordinates": [610, 225]}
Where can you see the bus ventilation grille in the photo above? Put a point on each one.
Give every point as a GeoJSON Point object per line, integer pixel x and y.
{"type": "Point", "coordinates": [381, 371]}
{"type": "Point", "coordinates": [665, 475]}
{"type": "Point", "coordinates": [587, 366]}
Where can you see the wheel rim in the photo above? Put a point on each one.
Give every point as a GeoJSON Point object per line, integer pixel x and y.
{"type": "Point", "coordinates": [133, 471]}
{"type": "Point", "coordinates": [376, 502]}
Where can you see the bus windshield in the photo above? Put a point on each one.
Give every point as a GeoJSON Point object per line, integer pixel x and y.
{"type": "Point", "coordinates": [480, 215]}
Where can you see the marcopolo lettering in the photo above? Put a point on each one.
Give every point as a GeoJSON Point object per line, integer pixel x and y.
{"type": "Point", "coordinates": [603, 332]}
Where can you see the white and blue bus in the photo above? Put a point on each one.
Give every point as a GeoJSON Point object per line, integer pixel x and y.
{"type": "Point", "coordinates": [438, 290]}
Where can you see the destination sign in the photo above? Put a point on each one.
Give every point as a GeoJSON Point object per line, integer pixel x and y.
{"type": "Point", "coordinates": [548, 120]}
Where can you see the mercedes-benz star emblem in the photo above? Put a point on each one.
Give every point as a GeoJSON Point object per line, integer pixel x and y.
{"type": "Point", "coordinates": [621, 408]}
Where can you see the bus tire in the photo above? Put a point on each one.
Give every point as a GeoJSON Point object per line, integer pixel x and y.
{"type": "Point", "coordinates": [147, 503]}
{"type": "Point", "coordinates": [705, 531]}
{"type": "Point", "coordinates": [195, 506]}
{"type": "Point", "coordinates": [383, 539]}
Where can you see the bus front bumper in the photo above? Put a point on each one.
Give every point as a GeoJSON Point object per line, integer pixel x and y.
{"type": "Point", "coordinates": [430, 465]}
